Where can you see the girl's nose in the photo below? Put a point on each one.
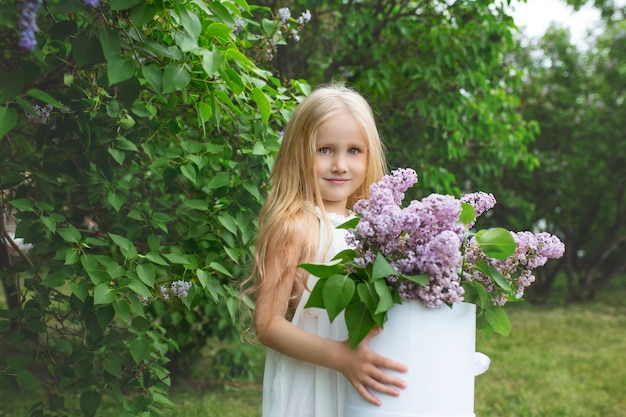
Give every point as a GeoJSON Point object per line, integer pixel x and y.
{"type": "Point", "coordinates": [339, 164]}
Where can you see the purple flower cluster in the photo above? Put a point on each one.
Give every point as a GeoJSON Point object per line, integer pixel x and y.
{"type": "Point", "coordinates": [180, 288]}
{"type": "Point", "coordinates": [284, 13]}
{"type": "Point", "coordinates": [28, 21]}
{"type": "Point", "coordinates": [423, 238]}
{"type": "Point", "coordinates": [427, 237]}
{"type": "Point", "coordinates": [533, 251]}
{"type": "Point", "coordinates": [28, 24]}
{"type": "Point", "coordinates": [176, 290]}
{"type": "Point", "coordinates": [41, 114]}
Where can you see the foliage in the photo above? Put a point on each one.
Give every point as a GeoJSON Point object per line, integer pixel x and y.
{"type": "Point", "coordinates": [136, 142]}
{"type": "Point", "coordinates": [436, 74]}
{"type": "Point", "coordinates": [577, 99]}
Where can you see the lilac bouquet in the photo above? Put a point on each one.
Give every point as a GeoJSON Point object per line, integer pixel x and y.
{"type": "Point", "coordinates": [426, 250]}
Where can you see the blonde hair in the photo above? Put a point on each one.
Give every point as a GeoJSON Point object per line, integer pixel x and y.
{"type": "Point", "coordinates": [294, 186]}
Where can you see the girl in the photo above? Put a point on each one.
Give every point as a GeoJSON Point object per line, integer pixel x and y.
{"type": "Point", "coordinates": [330, 154]}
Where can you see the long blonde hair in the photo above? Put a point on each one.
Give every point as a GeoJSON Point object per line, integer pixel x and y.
{"type": "Point", "coordinates": [294, 186]}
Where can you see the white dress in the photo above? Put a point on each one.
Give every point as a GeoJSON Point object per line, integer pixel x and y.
{"type": "Point", "coordinates": [293, 388]}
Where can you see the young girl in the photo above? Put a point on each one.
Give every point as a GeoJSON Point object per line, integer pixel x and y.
{"type": "Point", "coordinates": [330, 154]}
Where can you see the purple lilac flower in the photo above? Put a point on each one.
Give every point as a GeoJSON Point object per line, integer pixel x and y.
{"type": "Point", "coordinates": [532, 251]}
{"type": "Point", "coordinates": [427, 237]}
{"type": "Point", "coordinates": [180, 288]}
{"type": "Point", "coordinates": [284, 14]}
{"type": "Point", "coordinates": [164, 293]}
{"type": "Point", "coordinates": [28, 24]}
{"type": "Point", "coordinates": [41, 114]}
{"type": "Point", "coordinates": [239, 25]}
{"type": "Point", "coordinates": [305, 17]}
{"type": "Point", "coordinates": [91, 3]}
{"type": "Point", "coordinates": [423, 238]}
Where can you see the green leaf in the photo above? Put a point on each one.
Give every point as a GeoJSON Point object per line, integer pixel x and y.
{"type": "Point", "coordinates": [263, 103]}
{"type": "Point", "coordinates": [177, 258]}
{"type": "Point", "coordinates": [116, 200]}
{"type": "Point", "coordinates": [228, 222]}
{"type": "Point", "coordinates": [142, 14]}
{"type": "Point", "coordinates": [126, 246]}
{"type": "Point", "coordinates": [22, 204]}
{"type": "Point", "coordinates": [86, 51]}
{"type": "Point", "coordinates": [122, 309]}
{"type": "Point", "coordinates": [119, 69]}
{"type": "Point", "coordinates": [190, 22]}
{"type": "Point", "coordinates": [350, 224]}
{"type": "Point", "coordinates": [139, 349]}
{"type": "Point", "coordinates": [89, 403]}
{"type": "Point", "coordinates": [123, 4]}
{"type": "Point", "coordinates": [80, 290]}
{"type": "Point", "coordinates": [45, 97]}
{"type": "Point", "coordinates": [220, 268]}
{"type": "Point", "coordinates": [153, 76]}
{"type": "Point", "coordinates": [382, 268]}
{"type": "Point", "coordinates": [110, 43]}
{"type": "Point", "coordinates": [222, 12]}
{"type": "Point", "coordinates": [385, 299]}
{"type": "Point", "coordinates": [468, 214]}
{"type": "Point", "coordinates": [70, 234]}
{"type": "Point", "coordinates": [126, 145]}
{"type": "Point", "coordinates": [55, 280]}
{"type": "Point", "coordinates": [221, 179]}
{"type": "Point", "coordinates": [218, 30]}
{"type": "Point", "coordinates": [139, 288]}
{"type": "Point", "coordinates": [175, 78]}
{"type": "Point", "coordinates": [11, 84]}
{"type": "Point", "coordinates": [72, 256]}
{"type": "Point", "coordinates": [421, 279]}
{"type": "Point", "coordinates": [49, 222]}
{"type": "Point", "coordinates": [323, 270]}
{"type": "Point", "coordinates": [141, 324]}
{"type": "Point", "coordinates": [156, 258]}
{"type": "Point", "coordinates": [494, 274]}
{"type": "Point", "coordinates": [497, 243]}
{"type": "Point", "coordinates": [113, 365]}
{"type": "Point", "coordinates": [367, 294]}
{"type": "Point", "coordinates": [212, 61]}
{"type": "Point", "coordinates": [338, 291]}
{"type": "Point", "coordinates": [189, 172]}
{"type": "Point", "coordinates": [359, 322]}
{"type": "Point", "coordinates": [103, 294]}
{"type": "Point", "coordinates": [316, 298]}
{"type": "Point", "coordinates": [146, 274]}
{"type": "Point", "coordinates": [498, 320]}
{"type": "Point", "coordinates": [8, 119]}
{"type": "Point", "coordinates": [27, 379]}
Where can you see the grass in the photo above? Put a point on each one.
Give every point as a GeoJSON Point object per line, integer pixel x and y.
{"type": "Point", "coordinates": [559, 361]}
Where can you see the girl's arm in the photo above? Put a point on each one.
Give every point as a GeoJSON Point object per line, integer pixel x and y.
{"type": "Point", "coordinates": [361, 366]}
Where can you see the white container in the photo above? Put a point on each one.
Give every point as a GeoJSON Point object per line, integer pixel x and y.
{"type": "Point", "coordinates": [438, 346]}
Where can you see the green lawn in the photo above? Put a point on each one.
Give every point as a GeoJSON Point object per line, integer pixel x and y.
{"type": "Point", "coordinates": [559, 361]}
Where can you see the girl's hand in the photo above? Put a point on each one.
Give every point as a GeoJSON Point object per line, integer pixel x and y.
{"type": "Point", "coordinates": [364, 368]}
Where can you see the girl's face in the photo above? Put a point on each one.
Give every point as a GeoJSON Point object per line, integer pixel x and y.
{"type": "Point", "coordinates": [340, 161]}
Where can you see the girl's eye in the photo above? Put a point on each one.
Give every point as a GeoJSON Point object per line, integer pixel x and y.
{"type": "Point", "coordinates": [323, 150]}
{"type": "Point", "coordinates": [354, 151]}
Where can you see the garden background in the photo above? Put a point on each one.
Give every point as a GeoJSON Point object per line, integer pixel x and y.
{"type": "Point", "coordinates": [136, 138]}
